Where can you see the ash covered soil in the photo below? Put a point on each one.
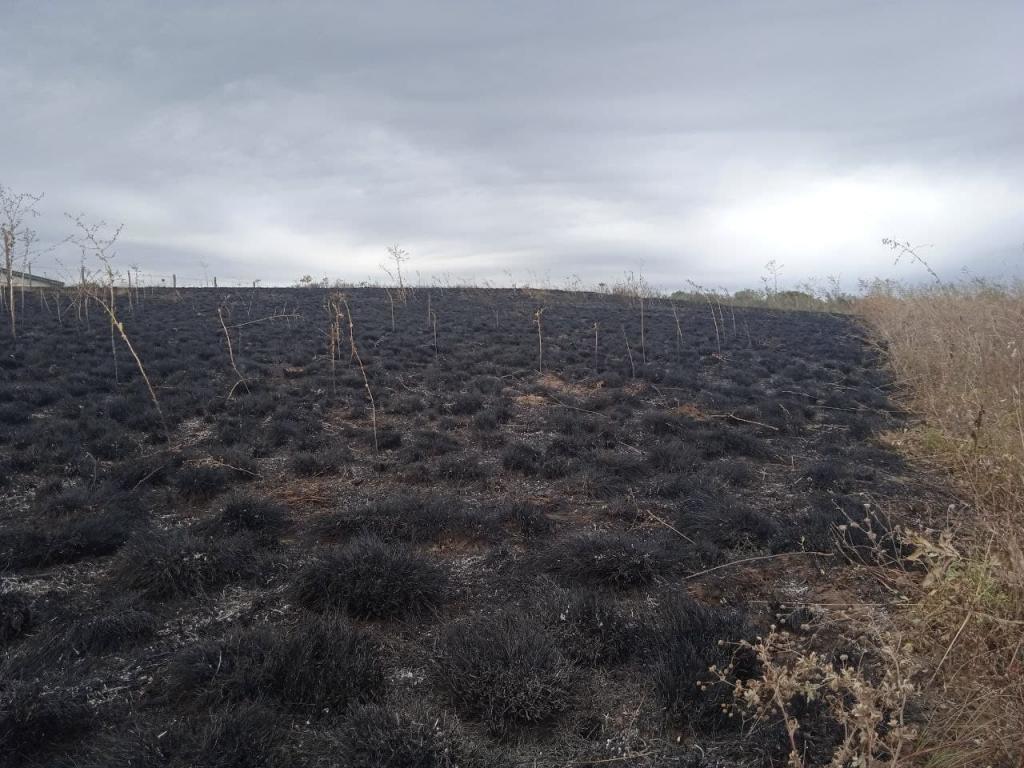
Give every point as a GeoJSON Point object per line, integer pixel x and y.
{"type": "Point", "coordinates": [518, 568]}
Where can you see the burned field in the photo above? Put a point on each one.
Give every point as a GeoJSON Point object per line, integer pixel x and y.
{"type": "Point", "coordinates": [486, 565]}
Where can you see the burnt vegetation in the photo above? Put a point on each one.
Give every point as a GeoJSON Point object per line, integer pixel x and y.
{"type": "Point", "coordinates": [371, 579]}
{"type": "Point", "coordinates": [485, 565]}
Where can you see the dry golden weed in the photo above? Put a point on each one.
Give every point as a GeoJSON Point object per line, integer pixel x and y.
{"type": "Point", "coordinates": [958, 356]}
{"type": "Point", "coordinates": [867, 710]}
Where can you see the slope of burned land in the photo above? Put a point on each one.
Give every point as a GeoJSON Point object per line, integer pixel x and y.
{"type": "Point", "coordinates": [487, 565]}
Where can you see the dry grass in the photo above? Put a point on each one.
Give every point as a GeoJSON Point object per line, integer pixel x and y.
{"type": "Point", "coordinates": [866, 713]}
{"type": "Point", "coordinates": [958, 354]}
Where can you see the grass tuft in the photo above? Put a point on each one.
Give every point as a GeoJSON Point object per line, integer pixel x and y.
{"type": "Point", "coordinates": [506, 672]}
{"type": "Point", "coordinates": [246, 513]}
{"type": "Point", "coordinates": [372, 579]}
{"type": "Point", "coordinates": [175, 564]}
{"type": "Point", "coordinates": [378, 737]}
{"type": "Point", "coordinates": [614, 560]}
{"type": "Point", "coordinates": [689, 640]}
{"type": "Point", "coordinates": [15, 615]}
{"type": "Point", "coordinates": [320, 665]}
{"type": "Point", "coordinates": [34, 721]}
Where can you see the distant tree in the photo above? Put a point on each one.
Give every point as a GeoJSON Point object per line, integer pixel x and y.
{"type": "Point", "coordinates": [687, 296]}
{"type": "Point", "coordinates": [748, 296]}
{"type": "Point", "coordinates": [796, 299]}
{"type": "Point", "coordinates": [15, 209]}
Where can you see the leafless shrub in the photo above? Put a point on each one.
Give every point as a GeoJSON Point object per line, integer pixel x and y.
{"type": "Point", "coordinates": [868, 710]}
{"type": "Point", "coordinates": [771, 279]}
{"type": "Point", "coordinates": [15, 209]}
{"type": "Point", "coordinates": [398, 256]}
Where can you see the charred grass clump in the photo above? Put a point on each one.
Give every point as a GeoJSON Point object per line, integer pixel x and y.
{"type": "Point", "coordinates": [67, 540]}
{"type": "Point", "coordinates": [320, 461]}
{"type": "Point", "coordinates": [723, 521]}
{"type": "Point", "coordinates": [319, 665]}
{"type": "Point", "coordinates": [592, 630]}
{"type": "Point", "coordinates": [248, 734]}
{"type": "Point", "coordinates": [691, 641]}
{"type": "Point", "coordinates": [369, 578]}
{"type": "Point", "coordinates": [112, 631]}
{"type": "Point", "coordinates": [35, 722]}
{"type": "Point", "coordinates": [460, 469]}
{"type": "Point", "coordinates": [524, 518]}
{"type": "Point", "coordinates": [15, 614]}
{"type": "Point", "coordinates": [380, 737]}
{"type": "Point", "coordinates": [506, 672]}
{"type": "Point", "coordinates": [263, 518]}
{"type": "Point", "coordinates": [80, 643]}
{"type": "Point", "coordinates": [63, 500]}
{"type": "Point", "coordinates": [612, 560]}
{"type": "Point", "coordinates": [200, 482]}
{"type": "Point", "coordinates": [405, 517]}
{"type": "Point", "coordinates": [175, 564]}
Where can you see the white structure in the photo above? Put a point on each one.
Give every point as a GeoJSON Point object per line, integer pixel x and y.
{"type": "Point", "coordinates": [29, 281]}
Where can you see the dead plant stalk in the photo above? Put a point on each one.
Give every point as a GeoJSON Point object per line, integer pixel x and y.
{"type": "Point", "coordinates": [231, 356]}
{"type": "Point", "coordinates": [362, 370]}
{"type": "Point", "coordinates": [537, 320]}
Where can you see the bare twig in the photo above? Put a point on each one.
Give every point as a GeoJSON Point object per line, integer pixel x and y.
{"type": "Point", "coordinates": [138, 362]}
{"type": "Point", "coordinates": [629, 351]}
{"type": "Point", "coordinates": [362, 369]}
{"type": "Point", "coordinates": [537, 319]}
{"type": "Point", "coordinates": [286, 316]}
{"type": "Point", "coordinates": [756, 559]}
{"type": "Point", "coordinates": [734, 417]}
{"type": "Point", "coordinates": [231, 355]}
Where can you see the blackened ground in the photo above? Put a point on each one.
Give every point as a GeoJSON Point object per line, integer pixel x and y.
{"type": "Point", "coordinates": [519, 568]}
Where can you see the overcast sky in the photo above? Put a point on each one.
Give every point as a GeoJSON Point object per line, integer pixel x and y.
{"type": "Point", "coordinates": [692, 141]}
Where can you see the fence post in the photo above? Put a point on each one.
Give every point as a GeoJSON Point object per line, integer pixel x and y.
{"type": "Point", "coordinates": [174, 282]}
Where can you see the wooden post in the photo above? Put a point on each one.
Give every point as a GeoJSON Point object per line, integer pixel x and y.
{"type": "Point", "coordinates": [215, 282]}
{"type": "Point", "coordinates": [174, 282]}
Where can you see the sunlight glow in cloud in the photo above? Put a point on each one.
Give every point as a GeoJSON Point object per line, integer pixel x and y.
{"type": "Point", "coordinates": [692, 141]}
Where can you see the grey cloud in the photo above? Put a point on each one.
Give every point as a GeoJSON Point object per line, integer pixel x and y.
{"type": "Point", "coordinates": [694, 140]}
